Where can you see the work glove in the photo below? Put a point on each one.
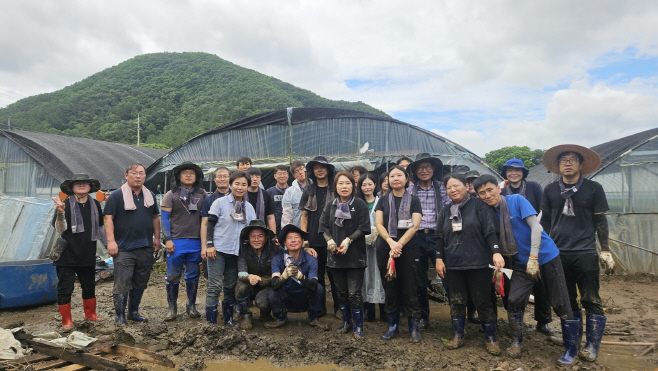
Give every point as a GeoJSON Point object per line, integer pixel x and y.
{"type": "Point", "coordinates": [305, 245]}
{"type": "Point", "coordinates": [532, 269]}
{"type": "Point", "coordinates": [331, 246]}
{"type": "Point", "coordinates": [498, 280]}
{"type": "Point", "coordinates": [292, 271]}
{"type": "Point", "coordinates": [300, 275]}
{"type": "Point", "coordinates": [344, 245]}
{"type": "Point", "coordinates": [608, 263]}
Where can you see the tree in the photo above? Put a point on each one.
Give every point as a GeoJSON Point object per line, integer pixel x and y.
{"type": "Point", "coordinates": [499, 157]}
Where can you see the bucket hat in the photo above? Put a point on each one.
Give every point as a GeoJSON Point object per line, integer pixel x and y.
{"type": "Point", "coordinates": [514, 163]}
{"type": "Point", "coordinates": [67, 185]}
{"type": "Point", "coordinates": [291, 228]}
{"type": "Point", "coordinates": [256, 224]}
{"type": "Point", "coordinates": [437, 164]}
{"type": "Point", "coordinates": [188, 166]}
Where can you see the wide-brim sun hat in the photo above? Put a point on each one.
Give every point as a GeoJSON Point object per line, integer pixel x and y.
{"type": "Point", "coordinates": [437, 164]}
{"type": "Point", "coordinates": [291, 228]}
{"type": "Point", "coordinates": [319, 160]}
{"type": "Point", "coordinates": [188, 166]}
{"type": "Point", "coordinates": [591, 160]}
{"type": "Point", "coordinates": [256, 224]}
{"type": "Point", "coordinates": [67, 185]}
{"type": "Point", "coordinates": [514, 163]}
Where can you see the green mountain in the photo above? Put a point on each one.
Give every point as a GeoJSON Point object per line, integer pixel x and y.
{"type": "Point", "coordinates": [177, 95]}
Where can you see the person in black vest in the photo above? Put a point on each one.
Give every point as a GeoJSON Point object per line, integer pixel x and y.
{"type": "Point", "coordinates": [255, 271]}
{"type": "Point", "coordinates": [312, 203]}
{"type": "Point", "coordinates": [466, 245]}
{"type": "Point", "coordinates": [181, 227]}
{"type": "Point", "coordinates": [79, 221]}
{"type": "Point", "coordinates": [346, 219]}
{"type": "Point", "coordinates": [281, 176]}
{"type": "Point", "coordinates": [397, 217]}
{"type": "Point", "coordinates": [515, 172]}
{"type": "Point", "coordinates": [573, 214]}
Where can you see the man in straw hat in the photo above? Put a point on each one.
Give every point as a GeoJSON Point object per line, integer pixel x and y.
{"type": "Point", "coordinates": [573, 214]}
{"type": "Point", "coordinates": [255, 270]}
{"type": "Point", "coordinates": [79, 221]}
{"type": "Point", "coordinates": [181, 227]}
{"type": "Point", "coordinates": [295, 279]}
{"type": "Point", "coordinates": [427, 172]}
{"type": "Point", "coordinates": [132, 224]}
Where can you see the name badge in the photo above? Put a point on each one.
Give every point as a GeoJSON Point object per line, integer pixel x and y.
{"type": "Point", "coordinates": [405, 224]}
{"type": "Point", "coordinates": [456, 227]}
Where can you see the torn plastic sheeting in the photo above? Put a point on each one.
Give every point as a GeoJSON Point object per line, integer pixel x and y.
{"type": "Point", "coordinates": [26, 232]}
{"type": "Point", "coordinates": [76, 339]}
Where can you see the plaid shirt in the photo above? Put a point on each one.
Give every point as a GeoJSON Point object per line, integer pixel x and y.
{"type": "Point", "coordinates": [428, 204]}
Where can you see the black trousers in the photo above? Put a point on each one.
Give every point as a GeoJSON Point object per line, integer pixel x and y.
{"type": "Point", "coordinates": [349, 285]}
{"type": "Point", "coordinates": [132, 270]}
{"type": "Point", "coordinates": [255, 293]}
{"type": "Point", "coordinates": [477, 283]}
{"type": "Point", "coordinates": [582, 271]}
{"type": "Point", "coordinates": [553, 283]}
{"type": "Point", "coordinates": [66, 280]}
{"type": "Point", "coordinates": [400, 292]}
{"type": "Point", "coordinates": [542, 303]}
{"type": "Point", "coordinates": [322, 269]}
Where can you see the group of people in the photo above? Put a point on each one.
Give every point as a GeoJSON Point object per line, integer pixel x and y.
{"type": "Point", "coordinates": [374, 237]}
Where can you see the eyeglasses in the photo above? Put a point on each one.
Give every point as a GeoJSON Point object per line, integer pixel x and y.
{"type": "Point", "coordinates": [425, 168]}
{"type": "Point", "coordinates": [140, 173]}
{"type": "Point", "coordinates": [573, 160]}
{"type": "Point", "coordinates": [222, 177]}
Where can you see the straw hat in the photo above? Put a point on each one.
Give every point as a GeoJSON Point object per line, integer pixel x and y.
{"type": "Point", "coordinates": [591, 159]}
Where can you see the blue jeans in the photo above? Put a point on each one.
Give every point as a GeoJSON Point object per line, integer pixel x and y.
{"type": "Point", "coordinates": [222, 275]}
{"type": "Point", "coordinates": [187, 253]}
{"type": "Point", "coordinates": [303, 300]}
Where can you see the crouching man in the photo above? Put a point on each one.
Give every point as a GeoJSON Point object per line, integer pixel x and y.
{"type": "Point", "coordinates": [294, 280]}
{"type": "Point", "coordinates": [255, 271]}
{"type": "Point", "coordinates": [537, 258]}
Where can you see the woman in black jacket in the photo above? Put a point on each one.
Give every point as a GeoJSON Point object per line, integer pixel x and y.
{"type": "Point", "coordinates": [79, 221]}
{"type": "Point", "coordinates": [346, 219]}
{"type": "Point", "coordinates": [397, 216]}
{"type": "Point", "coordinates": [466, 246]}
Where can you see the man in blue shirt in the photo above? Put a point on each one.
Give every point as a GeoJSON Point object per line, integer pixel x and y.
{"type": "Point", "coordinates": [536, 258]}
{"type": "Point", "coordinates": [294, 280]}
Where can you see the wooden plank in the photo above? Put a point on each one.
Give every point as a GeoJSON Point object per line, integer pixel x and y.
{"type": "Point", "coordinates": [50, 364]}
{"type": "Point", "coordinates": [73, 367]}
{"type": "Point", "coordinates": [31, 359]}
{"type": "Point", "coordinates": [140, 354]}
{"type": "Point", "coordinates": [89, 360]}
{"type": "Point", "coordinates": [97, 348]}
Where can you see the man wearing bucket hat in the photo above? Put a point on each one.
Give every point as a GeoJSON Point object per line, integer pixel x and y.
{"type": "Point", "coordinates": [427, 172]}
{"type": "Point", "coordinates": [515, 172]}
{"type": "Point", "coordinates": [295, 280]}
{"type": "Point", "coordinates": [255, 270]}
{"type": "Point", "coordinates": [470, 178]}
{"type": "Point", "coordinates": [181, 227]}
{"type": "Point", "coordinates": [312, 203]}
{"type": "Point", "coordinates": [79, 221]}
{"type": "Point", "coordinates": [573, 214]}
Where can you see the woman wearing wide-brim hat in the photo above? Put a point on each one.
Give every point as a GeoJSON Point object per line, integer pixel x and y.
{"type": "Point", "coordinates": [79, 221]}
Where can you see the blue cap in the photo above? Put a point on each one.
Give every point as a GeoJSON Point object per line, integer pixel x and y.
{"type": "Point", "coordinates": [516, 164]}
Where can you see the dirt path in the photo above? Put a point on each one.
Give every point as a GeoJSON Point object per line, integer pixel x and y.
{"type": "Point", "coordinates": [631, 304]}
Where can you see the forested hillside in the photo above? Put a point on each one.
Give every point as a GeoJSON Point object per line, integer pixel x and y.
{"type": "Point", "coordinates": [178, 95]}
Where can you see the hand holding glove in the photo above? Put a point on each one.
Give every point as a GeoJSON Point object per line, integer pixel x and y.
{"type": "Point", "coordinates": [331, 246]}
{"type": "Point", "coordinates": [608, 262]}
{"type": "Point", "coordinates": [290, 271]}
{"type": "Point", "coordinates": [532, 269]}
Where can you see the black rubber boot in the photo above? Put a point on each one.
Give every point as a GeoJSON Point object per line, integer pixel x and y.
{"type": "Point", "coordinates": [172, 300]}
{"type": "Point", "coordinates": [245, 314]}
{"type": "Point", "coordinates": [191, 288]}
{"type": "Point", "coordinates": [227, 310]}
{"type": "Point", "coordinates": [414, 330]}
{"type": "Point", "coordinates": [120, 302]}
{"type": "Point", "coordinates": [211, 314]}
{"type": "Point", "coordinates": [135, 298]}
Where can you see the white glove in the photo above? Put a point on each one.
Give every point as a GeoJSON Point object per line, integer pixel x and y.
{"type": "Point", "coordinates": [344, 245]}
{"type": "Point", "coordinates": [299, 275]}
{"type": "Point", "coordinates": [331, 246]}
{"type": "Point", "coordinates": [305, 245]}
{"type": "Point", "coordinates": [532, 269]}
{"type": "Point", "coordinates": [608, 262]}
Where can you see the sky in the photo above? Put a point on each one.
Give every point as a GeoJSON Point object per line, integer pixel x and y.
{"type": "Point", "coordinates": [484, 74]}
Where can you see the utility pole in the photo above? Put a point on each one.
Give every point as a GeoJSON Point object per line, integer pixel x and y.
{"type": "Point", "coordinates": [137, 129]}
{"type": "Point", "coordinates": [8, 123]}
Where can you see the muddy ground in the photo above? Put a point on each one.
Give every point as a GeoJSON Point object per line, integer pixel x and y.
{"type": "Point", "coordinates": [631, 305]}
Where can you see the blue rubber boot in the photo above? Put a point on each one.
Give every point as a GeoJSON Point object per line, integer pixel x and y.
{"type": "Point", "coordinates": [414, 329]}
{"type": "Point", "coordinates": [579, 314]}
{"type": "Point", "coordinates": [211, 314]}
{"type": "Point", "coordinates": [347, 319]}
{"type": "Point", "coordinates": [543, 328]}
{"type": "Point", "coordinates": [172, 300]}
{"type": "Point", "coordinates": [357, 319]}
{"type": "Point", "coordinates": [458, 330]}
{"type": "Point", "coordinates": [120, 302]}
{"type": "Point", "coordinates": [393, 322]}
{"type": "Point", "coordinates": [570, 330]}
{"type": "Point", "coordinates": [227, 310]}
{"type": "Point", "coordinates": [135, 297]}
{"type": "Point", "coordinates": [490, 338]}
{"type": "Point", "coordinates": [191, 288]}
{"type": "Point", "coordinates": [245, 313]}
{"type": "Point", "coordinates": [594, 334]}
{"type": "Point", "coordinates": [516, 331]}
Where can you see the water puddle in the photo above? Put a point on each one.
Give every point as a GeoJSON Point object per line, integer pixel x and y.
{"type": "Point", "coordinates": [623, 358]}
